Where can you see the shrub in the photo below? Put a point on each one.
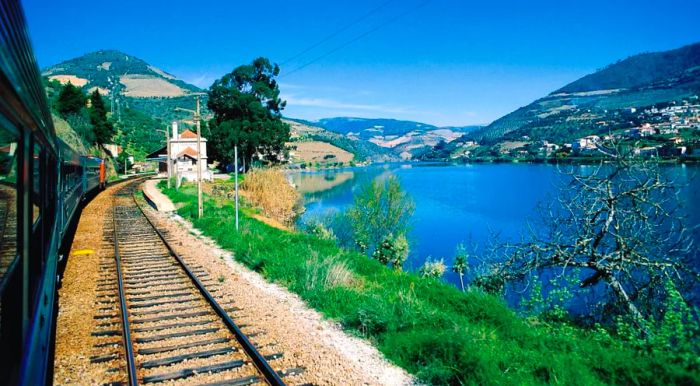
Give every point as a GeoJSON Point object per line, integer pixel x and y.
{"type": "Point", "coordinates": [461, 264]}
{"type": "Point", "coordinates": [392, 250]}
{"type": "Point", "coordinates": [380, 209]}
{"type": "Point", "coordinates": [433, 268]}
{"type": "Point", "coordinates": [269, 190]}
{"type": "Point", "coordinates": [318, 229]}
{"type": "Point", "coordinates": [327, 273]}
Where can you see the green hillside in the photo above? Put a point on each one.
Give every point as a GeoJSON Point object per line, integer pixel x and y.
{"type": "Point", "coordinates": [129, 83]}
{"type": "Point", "coordinates": [607, 96]}
{"type": "Point", "coordinates": [640, 71]}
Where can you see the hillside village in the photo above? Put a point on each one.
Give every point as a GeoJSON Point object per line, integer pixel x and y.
{"type": "Point", "coordinates": [671, 130]}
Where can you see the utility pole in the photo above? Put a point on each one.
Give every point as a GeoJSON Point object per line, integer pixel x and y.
{"type": "Point", "coordinates": [197, 120]}
{"type": "Point", "coordinates": [169, 161]}
{"type": "Point", "coordinates": [167, 147]}
{"type": "Point", "coordinates": [235, 174]}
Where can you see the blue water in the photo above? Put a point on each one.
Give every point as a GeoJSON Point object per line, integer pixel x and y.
{"type": "Point", "coordinates": [468, 204]}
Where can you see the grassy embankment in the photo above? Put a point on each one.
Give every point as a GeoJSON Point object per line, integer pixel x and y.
{"type": "Point", "coordinates": [425, 326]}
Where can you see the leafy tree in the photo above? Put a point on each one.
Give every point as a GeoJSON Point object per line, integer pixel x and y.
{"type": "Point", "coordinates": [71, 100]}
{"type": "Point", "coordinates": [379, 210]}
{"type": "Point", "coordinates": [247, 112]}
{"type": "Point", "coordinates": [101, 126]}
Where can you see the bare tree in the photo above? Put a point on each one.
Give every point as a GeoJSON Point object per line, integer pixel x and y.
{"type": "Point", "coordinates": [615, 223]}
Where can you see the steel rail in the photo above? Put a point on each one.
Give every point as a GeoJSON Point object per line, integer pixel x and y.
{"type": "Point", "coordinates": [130, 361]}
{"type": "Point", "coordinates": [271, 376]}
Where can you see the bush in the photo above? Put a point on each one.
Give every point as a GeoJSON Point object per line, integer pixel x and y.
{"type": "Point", "coordinates": [433, 268]}
{"type": "Point", "coordinates": [379, 210]}
{"type": "Point", "coordinates": [269, 190]}
{"type": "Point", "coordinates": [392, 250]}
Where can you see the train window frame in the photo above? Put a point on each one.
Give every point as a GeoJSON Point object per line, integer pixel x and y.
{"type": "Point", "coordinates": [12, 208]}
{"type": "Point", "coordinates": [37, 200]}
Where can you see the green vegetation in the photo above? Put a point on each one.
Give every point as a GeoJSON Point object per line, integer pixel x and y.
{"type": "Point", "coordinates": [392, 250]}
{"type": "Point", "coordinates": [163, 108]}
{"type": "Point", "coordinates": [380, 214]}
{"type": "Point", "coordinates": [89, 120]}
{"type": "Point", "coordinates": [247, 113]}
{"type": "Point", "coordinates": [435, 331]}
{"type": "Point", "coordinates": [105, 69]}
{"type": "Point", "coordinates": [137, 133]}
{"type": "Point", "coordinates": [363, 150]}
{"type": "Point", "coordinates": [634, 72]}
{"type": "Point", "coordinates": [101, 126]}
{"type": "Point", "coordinates": [639, 81]}
{"type": "Point", "coordinates": [71, 100]}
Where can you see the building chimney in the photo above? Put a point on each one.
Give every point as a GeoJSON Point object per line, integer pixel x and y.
{"type": "Point", "coordinates": [175, 130]}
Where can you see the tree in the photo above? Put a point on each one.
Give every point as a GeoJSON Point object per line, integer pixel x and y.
{"type": "Point", "coordinates": [616, 228]}
{"type": "Point", "coordinates": [71, 100]}
{"type": "Point", "coordinates": [381, 209]}
{"type": "Point", "coordinates": [247, 112]}
{"type": "Point", "coordinates": [102, 128]}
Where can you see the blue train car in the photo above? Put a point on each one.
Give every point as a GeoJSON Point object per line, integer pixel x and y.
{"type": "Point", "coordinates": [71, 187]}
{"type": "Point", "coordinates": [92, 173]}
{"type": "Point", "coordinates": [42, 184]}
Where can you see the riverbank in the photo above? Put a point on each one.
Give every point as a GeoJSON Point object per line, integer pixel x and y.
{"type": "Point", "coordinates": [428, 327]}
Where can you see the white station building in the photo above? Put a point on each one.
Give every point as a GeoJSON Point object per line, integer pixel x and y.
{"type": "Point", "coordinates": [183, 156]}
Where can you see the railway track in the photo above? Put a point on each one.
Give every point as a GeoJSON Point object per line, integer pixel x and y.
{"type": "Point", "coordinates": [171, 327]}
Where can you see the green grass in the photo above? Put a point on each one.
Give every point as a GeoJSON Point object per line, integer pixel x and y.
{"type": "Point", "coordinates": [441, 335]}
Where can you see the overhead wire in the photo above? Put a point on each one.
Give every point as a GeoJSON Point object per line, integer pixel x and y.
{"type": "Point", "coordinates": [353, 40]}
{"type": "Point", "coordinates": [338, 32]}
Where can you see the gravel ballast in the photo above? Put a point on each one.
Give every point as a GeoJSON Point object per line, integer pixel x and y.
{"type": "Point", "coordinates": [329, 355]}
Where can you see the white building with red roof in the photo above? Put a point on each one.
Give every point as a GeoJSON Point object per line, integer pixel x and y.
{"type": "Point", "coordinates": [184, 155]}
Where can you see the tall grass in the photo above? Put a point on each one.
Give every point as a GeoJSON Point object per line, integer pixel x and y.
{"type": "Point", "coordinates": [433, 330]}
{"type": "Point", "coordinates": [269, 191]}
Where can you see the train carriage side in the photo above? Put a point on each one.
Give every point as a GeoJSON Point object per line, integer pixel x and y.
{"type": "Point", "coordinates": [70, 186]}
{"type": "Point", "coordinates": [92, 176]}
{"type": "Point", "coordinates": [29, 234]}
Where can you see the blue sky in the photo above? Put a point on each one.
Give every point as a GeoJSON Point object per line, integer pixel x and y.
{"type": "Point", "coordinates": [444, 62]}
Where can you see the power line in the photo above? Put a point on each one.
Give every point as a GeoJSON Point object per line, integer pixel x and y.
{"type": "Point", "coordinates": [353, 40]}
{"type": "Point", "coordinates": [338, 32]}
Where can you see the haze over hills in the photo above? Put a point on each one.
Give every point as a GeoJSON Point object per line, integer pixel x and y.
{"type": "Point", "coordinates": [578, 108]}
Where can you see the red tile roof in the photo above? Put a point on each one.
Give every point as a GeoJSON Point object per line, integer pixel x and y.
{"type": "Point", "coordinates": [190, 152]}
{"type": "Point", "coordinates": [188, 134]}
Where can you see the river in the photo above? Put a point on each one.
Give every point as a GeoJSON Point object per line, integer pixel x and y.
{"type": "Point", "coordinates": [466, 203]}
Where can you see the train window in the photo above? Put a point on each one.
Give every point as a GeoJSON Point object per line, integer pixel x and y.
{"type": "Point", "coordinates": [37, 162]}
{"type": "Point", "coordinates": [8, 202]}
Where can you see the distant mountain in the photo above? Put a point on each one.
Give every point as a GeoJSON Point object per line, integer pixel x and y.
{"type": "Point", "coordinates": [363, 151]}
{"type": "Point", "coordinates": [366, 128]}
{"type": "Point", "coordinates": [403, 139]}
{"type": "Point", "coordinates": [130, 81]}
{"type": "Point", "coordinates": [599, 101]}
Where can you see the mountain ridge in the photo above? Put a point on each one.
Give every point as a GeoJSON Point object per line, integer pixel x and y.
{"type": "Point", "coordinates": [575, 109]}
